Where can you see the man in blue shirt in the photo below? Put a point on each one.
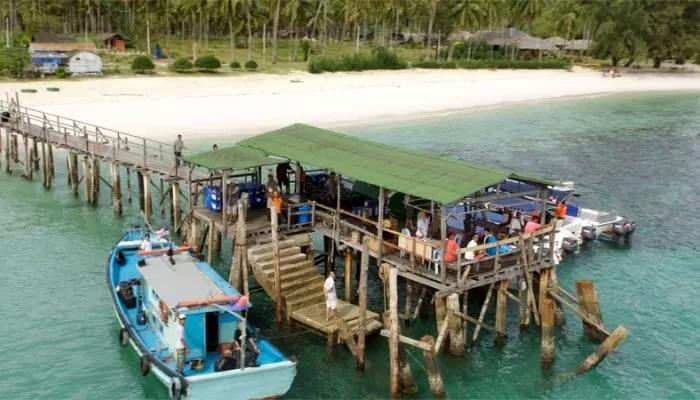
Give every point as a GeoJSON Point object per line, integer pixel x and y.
{"type": "Point", "coordinates": [489, 238]}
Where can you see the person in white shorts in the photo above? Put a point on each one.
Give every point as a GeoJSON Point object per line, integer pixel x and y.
{"type": "Point", "coordinates": [331, 297]}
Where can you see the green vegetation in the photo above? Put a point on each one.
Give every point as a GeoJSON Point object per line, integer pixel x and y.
{"type": "Point", "coordinates": [207, 63]}
{"type": "Point", "coordinates": [235, 65]}
{"type": "Point", "coordinates": [495, 64]}
{"type": "Point", "coordinates": [142, 64]}
{"type": "Point", "coordinates": [13, 61]}
{"type": "Point", "coordinates": [381, 59]}
{"type": "Point", "coordinates": [181, 65]}
{"type": "Point", "coordinates": [341, 34]}
{"type": "Point", "coordinates": [251, 65]}
{"type": "Point", "coordinates": [61, 72]}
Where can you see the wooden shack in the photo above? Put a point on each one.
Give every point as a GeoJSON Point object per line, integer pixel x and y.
{"type": "Point", "coordinates": [113, 41]}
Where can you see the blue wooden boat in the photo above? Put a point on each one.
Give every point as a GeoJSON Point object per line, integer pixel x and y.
{"type": "Point", "coordinates": [151, 291]}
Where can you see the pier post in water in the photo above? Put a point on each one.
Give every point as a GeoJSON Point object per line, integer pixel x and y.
{"type": "Point", "coordinates": [15, 148]}
{"type": "Point", "coordinates": [175, 203]}
{"type": "Point", "coordinates": [522, 306]}
{"type": "Point", "coordinates": [456, 333]}
{"type": "Point", "coordinates": [128, 185]}
{"type": "Point", "coordinates": [559, 317]}
{"type": "Point", "coordinates": [394, 331]}
{"type": "Point", "coordinates": [72, 161]}
{"type": "Point", "coordinates": [211, 230]}
{"type": "Point", "coordinates": [543, 287]}
{"type": "Point", "coordinates": [437, 386]}
{"type": "Point", "coordinates": [348, 275]}
{"type": "Point", "coordinates": [276, 266]}
{"type": "Point", "coordinates": [501, 307]}
{"type": "Point", "coordinates": [52, 168]}
{"type": "Point", "coordinates": [28, 170]}
{"type": "Point", "coordinates": [602, 351]}
{"type": "Point", "coordinates": [140, 183]}
{"type": "Point", "coordinates": [362, 302]}
{"type": "Point", "coordinates": [547, 345]}
{"type": "Point", "coordinates": [95, 180]}
{"type": "Point", "coordinates": [45, 172]}
{"type": "Point", "coordinates": [440, 313]}
{"type": "Point", "coordinates": [194, 236]}
{"type": "Point", "coordinates": [8, 152]}
{"type": "Point", "coordinates": [35, 154]}
{"type": "Point", "coordinates": [588, 305]}
{"type": "Point", "coordinates": [407, 309]}
{"type": "Point", "coordinates": [116, 188]}
{"type": "Point", "coordinates": [146, 182]}
{"type": "Point", "coordinates": [87, 178]}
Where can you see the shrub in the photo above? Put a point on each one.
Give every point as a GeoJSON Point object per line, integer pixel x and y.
{"type": "Point", "coordinates": [209, 63]}
{"type": "Point", "coordinates": [251, 64]}
{"type": "Point", "coordinates": [61, 71]}
{"type": "Point", "coordinates": [142, 64]}
{"type": "Point", "coordinates": [181, 65]}
{"type": "Point", "coordinates": [235, 65]}
{"type": "Point", "coordinates": [13, 60]}
{"type": "Point", "coordinates": [380, 59]}
{"type": "Point", "coordinates": [305, 45]}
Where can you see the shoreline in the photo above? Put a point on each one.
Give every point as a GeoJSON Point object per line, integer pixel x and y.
{"type": "Point", "coordinates": [235, 107]}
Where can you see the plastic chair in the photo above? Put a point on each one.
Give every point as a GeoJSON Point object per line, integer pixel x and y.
{"type": "Point", "coordinates": [437, 257]}
{"type": "Point", "coordinates": [405, 232]}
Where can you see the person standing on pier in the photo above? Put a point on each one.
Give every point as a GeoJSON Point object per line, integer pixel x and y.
{"type": "Point", "coordinates": [282, 177]}
{"type": "Point", "coordinates": [331, 297]}
{"type": "Point", "coordinates": [177, 149]}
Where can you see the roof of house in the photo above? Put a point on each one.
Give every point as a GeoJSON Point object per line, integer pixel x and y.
{"type": "Point", "coordinates": [111, 35]}
{"type": "Point", "coordinates": [63, 46]}
{"type": "Point", "coordinates": [441, 179]}
{"type": "Point", "coordinates": [235, 158]}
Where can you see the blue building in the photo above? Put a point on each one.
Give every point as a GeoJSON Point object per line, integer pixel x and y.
{"type": "Point", "coordinates": [48, 51]}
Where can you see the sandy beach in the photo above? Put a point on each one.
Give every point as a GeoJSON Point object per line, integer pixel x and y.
{"type": "Point", "coordinates": [218, 107]}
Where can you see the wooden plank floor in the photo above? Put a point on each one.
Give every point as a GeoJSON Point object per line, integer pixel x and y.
{"type": "Point", "coordinates": [314, 316]}
{"type": "Point", "coordinates": [107, 151]}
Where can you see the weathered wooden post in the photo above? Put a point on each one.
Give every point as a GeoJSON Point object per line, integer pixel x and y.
{"type": "Point", "coordinates": [45, 173]}
{"type": "Point", "coordinates": [348, 275]}
{"type": "Point", "coordinates": [522, 306]}
{"type": "Point", "coordinates": [440, 312]}
{"type": "Point", "coordinates": [276, 265]}
{"type": "Point", "coordinates": [407, 309]}
{"type": "Point", "coordinates": [602, 351]}
{"type": "Point", "coordinates": [15, 148]}
{"type": "Point", "coordinates": [8, 152]}
{"type": "Point", "coordinates": [128, 186]}
{"type": "Point", "coordinates": [87, 177]}
{"type": "Point", "coordinates": [394, 331]}
{"type": "Point", "coordinates": [146, 181]}
{"type": "Point", "coordinates": [457, 335]}
{"type": "Point", "coordinates": [239, 247]}
{"type": "Point", "coordinates": [35, 154]}
{"type": "Point", "coordinates": [116, 188]}
{"type": "Point", "coordinates": [543, 287]}
{"type": "Point", "coordinates": [28, 170]}
{"type": "Point", "coordinates": [95, 180]}
{"type": "Point", "coordinates": [559, 317]}
{"type": "Point", "coordinates": [175, 203]}
{"type": "Point", "coordinates": [437, 386]}
{"type": "Point", "coordinates": [140, 183]}
{"type": "Point", "coordinates": [588, 305]}
{"type": "Point", "coordinates": [501, 307]}
{"type": "Point", "coordinates": [161, 194]}
{"type": "Point", "coordinates": [419, 303]}
{"type": "Point", "coordinates": [547, 346]}
{"type": "Point", "coordinates": [72, 161]}
{"type": "Point", "coordinates": [195, 234]}
{"type": "Point", "coordinates": [362, 302]}
{"type": "Point", "coordinates": [211, 230]}
{"type": "Point", "coordinates": [52, 169]}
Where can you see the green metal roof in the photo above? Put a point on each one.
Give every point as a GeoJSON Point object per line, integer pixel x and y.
{"type": "Point", "coordinates": [233, 158]}
{"type": "Point", "coordinates": [444, 180]}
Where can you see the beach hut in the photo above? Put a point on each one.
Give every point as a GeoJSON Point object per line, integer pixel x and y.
{"type": "Point", "coordinates": [47, 56]}
{"type": "Point", "coordinates": [113, 41]}
{"type": "Point", "coordinates": [84, 63]}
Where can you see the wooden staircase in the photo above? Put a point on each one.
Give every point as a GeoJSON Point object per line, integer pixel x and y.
{"type": "Point", "coordinates": [302, 288]}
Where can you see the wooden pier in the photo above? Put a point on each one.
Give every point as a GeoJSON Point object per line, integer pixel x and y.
{"type": "Point", "coordinates": [41, 133]}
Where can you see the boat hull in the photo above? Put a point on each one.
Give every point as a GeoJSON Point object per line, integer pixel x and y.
{"type": "Point", "coordinates": [264, 381]}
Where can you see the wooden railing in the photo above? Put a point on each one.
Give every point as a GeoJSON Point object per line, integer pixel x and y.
{"type": "Point", "coordinates": [421, 250]}
{"type": "Point", "coordinates": [26, 119]}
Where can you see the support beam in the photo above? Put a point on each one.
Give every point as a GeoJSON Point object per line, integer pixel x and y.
{"type": "Point", "coordinates": [140, 183]}
{"type": "Point", "coordinates": [276, 264]}
{"type": "Point", "coordinates": [380, 226]}
{"type": "Point", "coordinates": [211, 229]}
{"type": "Point", "coordinates": [407, 309]}
{"type": "Point", "coordinates": [419, 303]}
{"type": "Point", "coordinates": [194, 236]}
{"type": "Point", "coordinates": [437, 387]}
{"type": "Point", "coordinates": [362, 302]}
{"type": "Point", "coordinates": [87, 178]}
{"type": "Point", "coordinates": [176, 211]}
{"type": "Point", "coordinates": [95, 180]}
{"type": "Point", "coordinates": [28, 170]}
{"type": "Point", "coordinates": [547, 345]}
{"type": "Point", "coordinates": [52, 168]}
{"type": "Point", "coordinates": [559, 317]}
{"type": "Point", "coordinates": [45, 172]}
{"type": "Point", "coordinates": [603, 350]}
{"type": "Point", "coordinates": [128, 186]}
{"type": "Point", "coordinates": [543, 287]}
{"type": "Point", "coordinates": [35, 154]}
{"type": "Point", "coordinates": [585, 318]}
{"type": "Point", "coordinates": [588, 305]}
{"type": "Point", "coordinates": [116, 188]}
{"type": "Point", "coordinates": [393, 330]}
{"type": "Point", "coordinates": [501, 308]}
{"type": "Point", "coordinates": [348, 275]}
{"type": "Point", "coordinates": [73, 172]}
{"type": "Point", "coordinates": [482, 314]}
{"type": "Point", "coordinates": [147, 203]}
{"type": "Point", "coordinates": [457, 334]}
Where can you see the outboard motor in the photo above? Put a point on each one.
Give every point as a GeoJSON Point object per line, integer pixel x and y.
{"type": "Point", "coordinates": [619, 228]}
{"type": "Point", "coordinates": [588, 233]}
{"type": "Point", "coordinates": [569, 245]}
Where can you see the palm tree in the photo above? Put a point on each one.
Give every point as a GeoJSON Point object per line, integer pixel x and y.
{"type": "Point", "coordinates": [469, 13]}
{"type": "Point", "coordinates": [227, 10]}
{"type": "Point", "coordinates": [275, 25]}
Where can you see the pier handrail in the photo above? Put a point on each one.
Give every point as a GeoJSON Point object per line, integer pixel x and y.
{"type": "Point", "coordinates": [92, 133]}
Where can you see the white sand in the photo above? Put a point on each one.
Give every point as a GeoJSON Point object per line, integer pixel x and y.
{"type": "Point", "coordinates": [218, 107]}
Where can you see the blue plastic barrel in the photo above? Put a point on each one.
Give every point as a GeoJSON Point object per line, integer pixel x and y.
{"type": "Point", "coordinates": [304, 218]}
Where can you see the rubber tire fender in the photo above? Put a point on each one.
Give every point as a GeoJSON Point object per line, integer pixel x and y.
{"type": "Point", "coordinates": [145, 365]}
{"type": "Point", "coordinates": [175, 389]}
{"type": "Point", "coordinates": [119, 258]}
{"type": "Point", "coordinates": [123, 337]}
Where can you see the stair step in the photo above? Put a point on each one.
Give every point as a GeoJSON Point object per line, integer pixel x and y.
{"type": "Point", "coordinates": [299, 274]}
{"type": "Point", "coordinates": [312, 297]}
{"type": "Point", "coordinates": [304, 281]}
{"type": "Point", "coordinates": [314, 287]}
{"type": "Point", "coordinates": [262, 257]}
{"type": "Point", "coordinates": [293, 259]}
{"type": "Point", "coordinates": [289, 269]}
{"type": "Point", "coordinates": [267, 248]}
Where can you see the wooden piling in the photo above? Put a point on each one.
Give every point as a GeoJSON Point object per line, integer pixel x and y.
{"type": "Point", "coordinates": [28, 169]}
{"type": "Point", "coordinates": [501, 307]}
{"type": "Point", "coordinates": [175, 203]}
{"type": "Point", "coordinates": [140, 183]}
{"type": "Point", "coordinates": [35, 154]}
{"type": "Point", "coordinates": [195, 234]}
{"type": "Point", "coordinates": [162, 197]}
{"type": "Point", "coordinates": [8, 152]}
{"type": "Point", "coordinates": [348, 275]}
{"type": "Point", "coordinates": [603, 350]}
{"type": "Point", "coordinates": [128, 186]}
{"type": "Point", "coordinates": [559, 317]}
{"type": "Point", "coordinates": [522, 306]}
{"type": "Point", "coordinates": [440, 312]}
{"type": "Point", "coordinates": [95, 180]}
{"type": "Point", "coordinates": [588, 305]}
{"type": "Point", "coordinates": [407, 309]}
{"type": "Point", "coordinates": [238, 264]}
{"type": "Point", "coordinates": [394, 331]}
{"type": "Point", "coordinates": [116, 188]}
{"type": "Point", "coordinates": [482, 314]}
{"type": "Point", "coordinates": [457, 335]}
{"type": "Point", "coordinates": [52, 168]}
{"type": "Point", "coordinates": [211, 228]}
{"type": "Point", "coordinates": [362, 303]}
{"type": "Point", "coordinates": [15, 149]}
{"type": "Point", "coordinates": [547, 322]}
{"type": "Point", "coordinates": [419, 303]}
{"type": "Point", "coordinates": [147, 198]}
{"type": "Point", "coordinates": [87, 178]}
{"type": "Point", "coordinates": [276, 264]}
{"type": "Point", "coordinates": [45, 173]}
{"type": "Point", "coordinates": [73, 172]}
{"type": "Point", "coordinates": [406, 383]}
{"type": "Point", "coordinates": [543, 287]}
{"type": "Point", "coordinates": [437, 387]}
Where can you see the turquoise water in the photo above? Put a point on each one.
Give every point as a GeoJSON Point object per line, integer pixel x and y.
{"type": "Point", "coordinates": [635, 154]}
